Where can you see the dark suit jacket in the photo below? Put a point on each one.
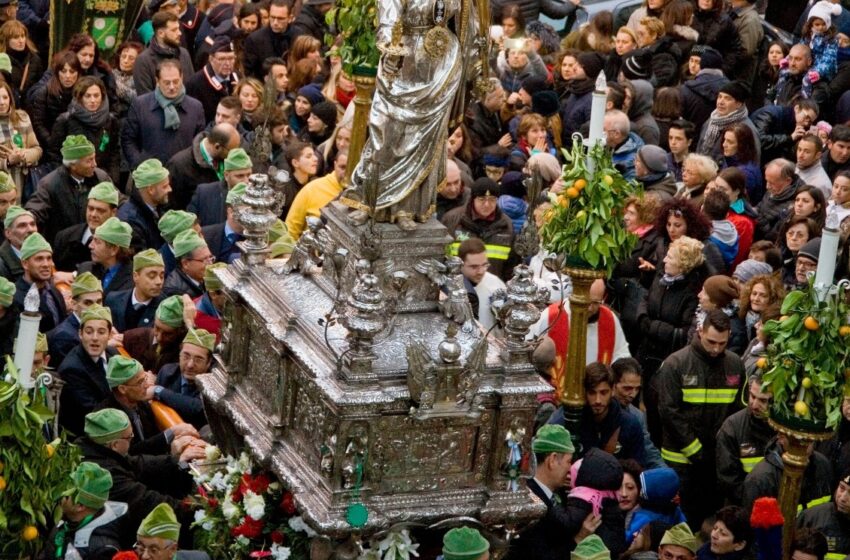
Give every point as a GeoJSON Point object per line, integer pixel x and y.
{"type": "Point", "coordinates": [208, 203]}
{"type": "Point", "coordinates": [222, 249]}
{"type": "Point", "coordinates": [85, 387]}
{"type": "Point", "coordinates": [178, 283]}
{"type": "Point", "coordinates": [140, 345]}
{"type": "Point", "coordinates": [47, 322]}
{"type": "Point", "coordinates": [122, 280]}
{"type": "Point", "coordinates": [551, 537]}
{"type": "Point", "coordinates": [144, 223]}
{"type": "Point", "coordinates": [68, 248]}
{"type": "Point", "coordinates": [10, 264]}
{"type": "Point", "coordinates": [124, 317]}
{"type": "Point", "coordinates": [63, 339]}
{"type": "Point", "coordinates": [188, 404]}
{"type": "Point", "coordinates": [263, 44]}
{"type": "Point", "coordinates": [152, 441]}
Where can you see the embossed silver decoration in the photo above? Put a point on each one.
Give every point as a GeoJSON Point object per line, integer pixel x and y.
{"type": "Point", "coordinates": [364, 315]}
{"type": "Point", "coordinates": [258, 209]}
{"type": "Point", "coordinates": [449, 276]}
{"type": "Point", "coordinates": [307, 254]}
{"type": "Point", "coordinates": [518, 308]}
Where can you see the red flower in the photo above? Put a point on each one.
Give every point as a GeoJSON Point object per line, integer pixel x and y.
{"type": "Point", "coordinates": [287, 504]}
{"type": "Point", "coordinates": [258, 484]}
{"type": "Point", "coordinates": [236, 495]}
{"type": "Point", "coordinates": [277, 536]}
{"type": "Point", "coordinates": [213, 503]}
{"type": "Point", "coordinates": [249, 528]}
{"type": "Point", "coordinates": [202, 491]}
{"type": "Point", "coordinates": [125, 555]}
{"type": "Point", "coordinates": [260, 554]}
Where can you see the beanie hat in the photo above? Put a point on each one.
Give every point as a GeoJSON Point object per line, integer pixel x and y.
{"type": "Point", "coordinates": [599, 470]}
{"type": "Point", "coordinates": [637, 65]}
{"type": "Point", "coordinates": [7, 292]}
{"type": "Point", "coordinates": [680, 535]}
{"type": "Point", "coordinates": [106, 425]}
{"type": "Point", "coordinates": [810, 249]}
{"type": "Point", "coordinates": [149, 172]}
{"type": "Point", "coordinates": [464, 543]}
{"type": "Point", "coordinates": [187, 241]}
{"type": "Point", "coordinates": [116, 232]}
{"type": "Point", "coordinates": [91, 485]}
{"type": "Point", "coordinates": [327, 112]}
{"type": "Point", "coordinates": [235, 194]}
{"type": "Point", "coordinates": [545, 103]}
{"type": "Point", "coordinates": [85, 283]}
{"type": "Point", "coordinates": [485, 186]}
{"type": "Point", "coordinates": [104, 192]}
{"type": "Point", "coordinates": [592, 63]}
{"type": "Point", "coordinates": [6, 183]}
{"type": "Point", "coordinates": [659, 486]}
{"type": "Point", "coordinates": [824, 10]}
{"type": "Point", "coordinates": [76, 147]}
{"type": "Point", "coordinates": [591, 548]}
{"type": "Point", "coordinates": [33, 244]}
{"type": "Point", "coordinates": [148, 257]}
{"type": "Point", "coordinates": [5, 63]}
{"type": "Point", "coordinates": [533, 84]}
{"type": "Point", "coordinates": [654, 158]}
{"type": "Point", "coordinates": [749, 268]}
{"type": "Point", "coordinates": [170, 312]}
{"type": "Point", "coordinates": [211, 281]}
{"type": "Point", "coordinates": [200, 338]}
{"type": "Point", "coordinates": [175, 221]}
{"type": "Point", "coordinates": [13, 213]}
{"type": "Point", "coordinates": [721, 289]}
{"type": "Point", "coordinates": [512, 184]}
{"type": "Point", "coordinates": [552, 438]}
{"type": "Point", "coordinates": [767, 522]}
{"type": "Point", "coordinates": [737, 89]}
{"type": "Point", "coordinates": [120, 370]}
{"type": "Point", "coordinates": [237, 158]}
{"type": "Point", "coordinates": [312, 93]}
{"type": "Point", "coordinates": [495, 160]}
{"type": "Point", "coordinates": [710, 58]}
{"type": "Point", "coordinates": [95, 313]}
{"type": "Point", "coordinates": [160, 523]}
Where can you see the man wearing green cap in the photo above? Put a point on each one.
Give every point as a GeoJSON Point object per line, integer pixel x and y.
{"type": "Point", "coordinates": [208, 200]}
{"type": "Point", "coordinates": [175, 383]}
{"type": "Point", "coordinates": [172, 223]}
{"type": "Point", "coordinates": [316, 195]}
{"type": "Point", "coordinates": [18, 225]}
{"type": "Point", "coordinates": [91, 524]}
{"type": "Point", "coordinates": [222, 238]}
{"type": "Point", "coordinates": [72, 244]}
{"type": "Point", "coordinates": [154, 347]}
{"type": "Point", "coordinates": [85, 292]}
{"type": "Point", "coordinates": [60, 199]}
{"type": "Point", "coordinates": [37, 262]}
{"type": "Point", "coordinates": [136, 307]}
{"type": "Point", "coordinates": [158, 534]}
{"type": "Point", "coordinates": [142, 210]}
{"type": "Point", "coordinates": [211, 305]}
{"type": "Point", "coordinates": [111, 256]}
{"type": "Point", "coordinates": [193, 256]}
{"type": "Point", "coordinates": [591, 548]}
{"type": "Point", "coordinates": [465, 543]}
{"type": "Point", "coordinates": [84, 368]}
{"type": "Point", "coordinates": [678, 543]}
{"type": "Point", "coordinates": [8, 193]}
{"type": "Point", "coordinates": [9, 313]}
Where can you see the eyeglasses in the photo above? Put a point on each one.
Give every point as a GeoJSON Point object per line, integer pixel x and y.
{"type": "Point", "coordinates": [190, 358]}
{"type": "Point", "coordinates": [484, 266]}
{"type": "Point", "coordinates": [208, 260]}
{"type": "Point", "coordinates": [141, 549]}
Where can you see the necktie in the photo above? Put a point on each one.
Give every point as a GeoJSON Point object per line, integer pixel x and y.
{"type": "Point", "coordinates": [139, 306]}
{"type": "Point", "coordinates": [556, 498]}
{"type": "Point", "coordinates": [102, 363]}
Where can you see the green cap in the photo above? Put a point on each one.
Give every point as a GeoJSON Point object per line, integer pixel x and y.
{"type": "Point", "coordinates": [6, 183]}
{"type": "Point", "coordinates": [149, 172]}
{"type": "Point", "coordinates": [35, 243]}
{"type": "Point", "coordinates": [85, 283]}
{"type": "Point", "coordinates": [175, 221]}
{"type": "Point", "coordinates": [95, 313]}
{"type": "Point", "coordinates": [211, 281]}
{"type": "Point", "coordinates": [235, 194]}
{"type": "Point", "coordinates": [200, 338]}
{"type": "Point", "coordinates": [13, 213]}
{"type": "Point", "coordinates": [41, 343]}
{"type": "Point", "coordinates": [106, 425]}
{"type": "Point", "coordinates": [237, 159]}
{"type": "Point", "coordinates": [680, 535]}
{"type": "Point", "coordinates": [76, 147]}
{"type": "Point", "coordinates": [464, 543]}
{"type": "Point", "coordinates": [92, 484]}
{"type": "Point", "coordinates": [104, 192]}
{"type": "Point", "coordinates": [591, 548]}
{"type": "Point", "coordinates": [186, 242]}
{"type": "Point", "coordinates": [552, 438]}
{"type": "Point", "coordinates": [7, 292]}
{"type": "Point", "coordinates": [120, 370]}
{"type": "Point", "coordinates": [170, 311]}
{"type": "Point", "coordinates": [278, 230]}
{"type": "Point", "coordinates": [116, 232]}
{"type": "Point", "coordinates": [148, 257]}
{"type": "Point", "coordinates": [160, 523]}
{"type": "Point", "coordinates": [281, 247]}
{"type": "Point", "coordinates": [5, 63]}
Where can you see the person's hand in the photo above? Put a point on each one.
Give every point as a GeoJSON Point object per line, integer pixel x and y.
{"type": "Point", "coordinates": [59, 277]}
{"type": "Point", "coordinates": [644, 264]}
{"type": "Point", "coordinates": [557, 186]}
{"type": "Point", "coordinates": [189, 311]}
{"type": "Point", "coordinates": [506, 141]}
{"type": "Point", "coordinates": [513, 98]}
{"type": "Point", "coordinates": [150, 392]}
{"type": "Point", "coordinates": [589, 526]}
{"type": "Point", "coordinates": [179, 444]}
{"type": "Point", "coordinates": [540, 145]}
{"type": "Point", "coordinates": [798, 133]}
{"type": "Point", "coordinates": [184, 429]}
{"type": "Point", "coordinates": [115, 338]}
{"type": "Point", "coordinates": [192, 453]}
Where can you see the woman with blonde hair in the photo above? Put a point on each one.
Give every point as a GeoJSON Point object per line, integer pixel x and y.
{"type": "Point", "coordinates": [26, 64]}
{"type": "Point", "coordinates": [697, 172]}
{"type": "Point", "coordinates": [19, 148]}
{"type": "Point", "coordinates": [250, 93]}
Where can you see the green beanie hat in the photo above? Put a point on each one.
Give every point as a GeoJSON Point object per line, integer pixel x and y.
{"type": "Point", "coordinates": [13, 213]}
{"type": "Point", "coordinates": [7, 292]}
{"type": "Point", "coordinates": [211, 281]}
{"type": "Point", "coordinates": [552, 438]}
{"type": "Point", "coordinates": [5, 63]}
{"type": "Point", "coordinates": [104, 192]}
{"type": "Point", "coordinates": [95, 313]}
{"type": "Point", "coordinates": [237, 159]}
{"type": "Point", "coordinates": [106, 425]}
{"type": "Point", "coordinates": [281, 247]}
{"type": "Point", "coordinates": [35, 243]}
{"type": "Point", "coordinates": [85, 283]}
{"type": "Point", "coordinates": [148, 257]}
{"type": "Point", "coordinates": [116, 232]}
{"type": "Point", "coordinates": [187, 241]}
{"type": "Point", "coordinates": [175, 221]}
{"type": "Point", "coordinates": [92, 484]}
{"type": "Point", "coordinates": [170, 311]}
{"type": "Point", "coordinates": [149, 172]}
{"type": "Point", "coordinates": [235, 194]}
{"type": "Point", "coordinates": [278, 230]}
{"type": "Point", "coordinates": [464, 543]}
{"type": "Point", "coordinates": [160, 523]}
{"type": "Point", "coordinates": [680, 535]}
{"type": "Point", "coordinates": [6, 183]}
{"type": "Point", "coordinates": [200, 338]}
{"type": "Point", "coordinates": [120, 370]}
{"type": "Point", "coordinates": [591, 548]}
{"type": "Point", "coordinates": [76, 147]}
{"type": "Point", "coordinates": [41, 343]}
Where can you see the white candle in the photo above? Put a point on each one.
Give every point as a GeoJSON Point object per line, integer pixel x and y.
{"type": "Point", "coordinates": [596, 132]}
{"type": "Point", "coordinates": [828, 253]}
{"type": "Point", "coordinates": [30, 319]}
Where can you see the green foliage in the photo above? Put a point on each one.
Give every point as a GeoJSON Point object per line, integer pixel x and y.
{"type": "Point", "coordinates": [796, 352]}
{"type": "Point", "coordinates": [589, 227]}
{"type": "Point", "coordinates": [356, 21]}
{"type": "Point", "coordinates": [36, 474]}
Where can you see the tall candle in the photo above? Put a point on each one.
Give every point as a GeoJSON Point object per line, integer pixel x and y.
{"type": "Point", "coordinates": [829, 239]}
{"type": "Point", "coordinates": [596, 132]}
{"type": "Point", "coordinates": [30, 319]}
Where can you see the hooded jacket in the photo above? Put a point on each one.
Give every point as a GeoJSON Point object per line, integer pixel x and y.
{"type": "Point", "coordinates": [624, 155]}
{"type": "Point", "coordinates": [659, 488]}
{"type": "Point", "coordinates": [725, 237]}
{"type": "Point", "coordinates": [641, 113]}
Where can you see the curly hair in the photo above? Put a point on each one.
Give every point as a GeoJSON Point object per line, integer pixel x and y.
{"type": "Point", "coordinates": [689, 251]}
{"type": "Point", "coordinates": [772, 284]}
{"type": "Point", "coordinates": [699, 227]}
{"type": "Point", "coordinates": [645, 206]}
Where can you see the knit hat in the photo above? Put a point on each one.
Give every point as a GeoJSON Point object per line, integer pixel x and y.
{"type": "Point", "coordinates": [35, 243]}
{"type": "Point", "coordinates": [149, 172]}
{"type": "Point", "coordinates": [547, 164]}
{"type": "Point", "coordinates": [282, 246]}
{"type": "Point", "coordinates": [592, 63]}
{"type": "Point", "coordinates": [312, 93]}
{"type": "Point", "coordinates": [485, 186]}
{"type": "Point", "coordinates": [221, 43]}
{"type": "Point", "coordinates": [599, 470]}
{"type": "Point", "coordinates": [104, 192]}
{"type": "Point", "coordinates": [120, 370]}
{"type": "Point", "coordinates": [721, 289]}
{"type": "Point", "coordinates": [85, 283]}
{"type": "Point", "coordinates": [91, 485]}
{"type": "Point", "coordinates": [810, 250]}
{"type": "Point", "coordinates": [533, 84]}
{"type": "Point", "coordinates": [495, 160]}
{"type": "Point", "coordinates": [545, 103]}
{"type": "Point", "coordinates": [552, 438]}
{"type": "Point", "coordinates": [186, 242]}
{"type": "Point", "coordinates": [654, 158]}
{"type": "Point", "coordinates": [200, 338]}
{"type": "Point", "coordinates": [6, 183]}
{"type": "Point", "coordinates": [278, 230]}
{"type": "Point", "coordinates": [710, 58]}
{"type": "Point", "coordinates": [116, 232]}
{"type": "Point", "coordinates": [512, 184]}
{"type": "Point", "coordinates": [13, 213]}
{"type": "Point", "coordinates": [464, 543]}
{"type": "Point", "coordinates": [659, 486]}
{"type": "Point", "coordinates": [160, 523]}
{"type": "Point", "coordinates": [148, 257]}
{"type": "Point", "coordinates": [680, 535]}
{"type": "Point", "coordinates": [237, 158]}
{"type": "Point", "coordinates": [95, 313]}
{"type": "Point", "coordinates": [106, 424]}
{"type": "Point", "coordinates": [749, 268]}
{"type": "Point", "coordinates": [76, 147]}
{"type": "Point", "coordinates": [591, 548]}
{"type": "Point", "coordinates": [737, 89]}
{"type": "Point", "coordinates": [211, 281]}
{"type": "Point", "coordinates": [767, 522]}
{"type": "Point", "coordinates": [173, 222]}
{"type": "Point", "coordinates": [170, 312]}
{"type": "Point", "coordinates": [235, 194]}
{"type": "Point", "coordinates": [327, 112]}
{"type": "Point", "coordinates": [7, 292]}
{"type": "Point", "coordinates": [824, 10]}
{"type": "Point", "coordinates": [5, 62]}
{"type": "Point", "coordinates": [637, 65]}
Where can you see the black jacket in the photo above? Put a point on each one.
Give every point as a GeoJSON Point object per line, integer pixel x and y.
{"type": "Point", "coordinates": [124, 317]}
{"type": "Point", "coordinates": [85, 387]}
{"type": "Point", "coordinates": [834, 525]}
{"type": "Point", "coordinates": [208, 203]}
{"type": "Point", "coordinates": [263, 44]}
{"type": "Point", "coordinates": [552, 537]}
{"type": "Point", "coordinates": [10, 264]}
{"type": "Point", "coordinates": [45, 108]}
{"type": "Point", "coordinates": [48, 322]}
{"type": "Point", "coordinates": [68, 247]}
{"type": "Point", "coordinates": [121, 280]}
{"type": "Point", "coordinates": [177, 283]}
{"type": "Point", "coordinates": [9, 329]}
{"type": "Point", "coordinates": [771, 210]}
{"type": "Point", "coordinates": [209, 90]}
{"type": "Point", "coordinates": [717, 30]}
{"type": "Point", "coordinates": [144, 222]}
{"type": "Point", "coordinates": [188, 169]}
{"type": "Point", "coordinates": [531, 9]}
{"type": "Point", "coordinates": [498, 233]}
{"type": "Point", "coordinates": [774, 124]}
{"type": "Point", "coordinates": [309, 22]}
{"type": "Point", "coordinates": [186, 401]}
{"type": "Point", "coordinates": [699, 97]}
{"type": "Point", "coordinates": [665, 62]}
{"type": "Point", "coordinates": [63, 338]}
{"type": "Point", "coordinates": [150, 440]}
{"type": "Point", "coordinates": [741, 444]}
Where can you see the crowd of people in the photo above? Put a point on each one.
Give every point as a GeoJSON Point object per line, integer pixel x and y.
{"type": "Point", "coordinates": [120, 181]}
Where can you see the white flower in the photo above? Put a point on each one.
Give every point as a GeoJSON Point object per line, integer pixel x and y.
{"type": "Point", "coordinates": [244, 463]}
{"type": "Point", "coordinates": [280, 552]}
{"type": "Point", "coordinates": [212, 453]}
{"type": "Point", "coordinates": [201, 519]}
{"type": "Point", "coordinates": [218, 482]}
{"type": "Point", "coordinates": [229, 509]}
{"type": "Point", "coordinates": [274, 486]}
{"type": "Point", "coordinates": [297, 524]}
{"type": "Point", "coordinates": [255, 506]}
{"type": "Point", "coordinates": [398, 546]}
{"type": "Point", "coordinates": [242, 540]}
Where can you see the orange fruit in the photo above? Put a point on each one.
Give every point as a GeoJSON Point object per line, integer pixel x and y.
{"type": "Point", "coordinates": [2, 483]}
{"type": "Point", "coordinates": [761, 363]}
{"type": "Point", "coordinates": [844, 330]}
{"type": "Point", "coordinates": [801, 408]}
{"type": "Point", "coordinates": [811, 323]}
{"type": "Point", "coordinates": [580, 184]}
{"type": "Point", "coordinates": [49, 450]}
{"type": "Point", "coordinates": [572, 192]}
{"type": "Point", "coordinates": [29, 533]}
{"type": "Point", "coordinates": [563, 202]}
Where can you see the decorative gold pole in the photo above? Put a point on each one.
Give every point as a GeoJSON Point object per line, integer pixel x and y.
{"type": "Point", "coordinates": [364, 90]}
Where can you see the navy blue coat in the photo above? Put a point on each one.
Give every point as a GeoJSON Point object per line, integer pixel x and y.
{"type": "Point", "coordinates": [47, 322]}
{"type": "Point", "coordinates": [145, 223]}
{"type": "Point", "coordinates": [85, 387]}
{"type": "Point", "coordinates": [124, 317]}
{"type": "Point", "coordinates": [143, 135]}
{"type": "Point", "coordinates": [62, 339]}
{"type": "Point", "coordinates": [208, 203]}
{"type": "Point", "coordinates": [220, 247]}
{"type": "Point", "coordinates": [187, 402]}
{"type": "Point", "coordinates": [151, 441]}
{"type": "Point", "coordinates": [121, 280]}
{"type": "Point", "coordinates": [177, 283]}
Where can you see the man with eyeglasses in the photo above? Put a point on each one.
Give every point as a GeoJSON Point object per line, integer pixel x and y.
{"type": "Point", "coordinates": [157, 537]}
{"type": "Point", "coordinates": [806, 262]}
{"type": "Point", "coordinates": [175, 383]}
{"type": "Point", "coordinates": [216, 80]}
{"type": "Point", "coordinates": [480, 284]}
{"type": "Point", "coordinates": [268, 42]}
{"type": "Point", "coordinates": [193, 256]}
